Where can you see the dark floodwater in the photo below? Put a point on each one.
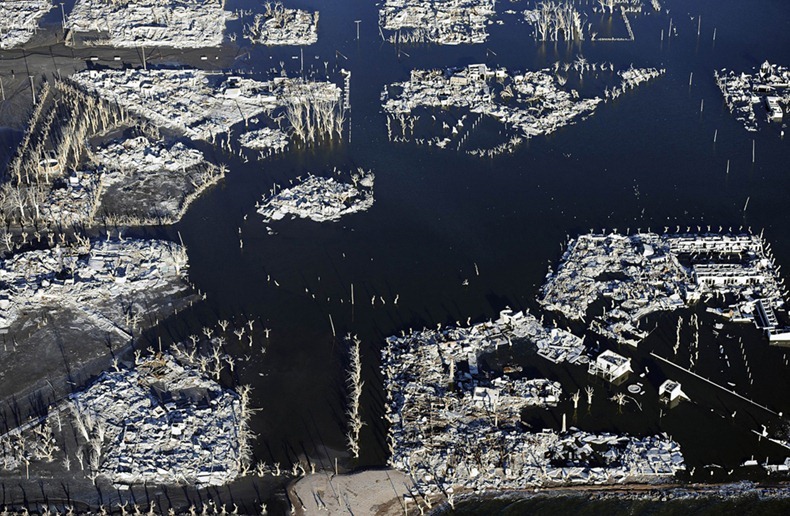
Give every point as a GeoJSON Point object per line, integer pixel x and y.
{"type": "Point", "coordinates": [645, 160]}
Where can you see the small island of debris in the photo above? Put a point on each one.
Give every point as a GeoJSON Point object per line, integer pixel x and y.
{"type": "Point", "coordinates": [445, 22]}
{"type": "Point", "coordinates": [320, 199]}
{"type": "Point", "coordinates": [281, 26]}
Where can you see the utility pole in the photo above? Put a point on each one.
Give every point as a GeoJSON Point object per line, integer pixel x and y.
{"type": "Point", "coordinates": [63, 16]}
{"type": "Point", "coordinates": [2, 90]}
{"type": "Point", "coordinates": [33, 90]}
{"type": "Point", "coordinates": [357, 22]}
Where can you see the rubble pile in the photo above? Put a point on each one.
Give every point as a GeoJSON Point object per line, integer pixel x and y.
{"type": "Point", "coordinates": [445, 22]}
{"type": "Point", "coordinates": [535, 104]}
{"type": "Point", "coordinates": [647, 272]}
{"type": "Point", "coordinates": [453, 426]}
{"type": "Point", "coordinates": [143, 178]}
{"type": "Point", "coordinates": [203, 105]}
{"type": "Point", "coordinates": [19, 20]}
{"type": "Point", "coordinates": [148, 23]}
{"type": "Point", "coordinates": [320, 199]}
{"type": "Point", "coordinates": [161, 423]}
{"type": "Point", "coordinates": [273, 140]}
{"type": "Point", "coordinates": [281, 26]}
{"type": "Point", "coordinates": [769, 86]}
{"type": "Point", "coordinates": [112, 284]}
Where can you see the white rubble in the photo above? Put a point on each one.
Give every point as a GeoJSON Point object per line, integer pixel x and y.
{"type": "Point", "coordinates": [320, 199]}
{"type": "Point", "coordinates": [642, 274]}
{"type": "Point", "coordinates": [454, 427]}
{"type": "Point", "coordinates": [148, 23]}
{"type": "Point", "coordinates": [161, 423]}
{"type": "Point", "coordinates": [266, 138]}
{"type": "Point", "coordinates": [19, 20]}
{"type": "Point", "coordinates": [281, 26]}
{"type": "Point", "coordinates": [203, 105]}
{"type": "Point", "coordinates": [145, 178]}
{"type": "Point", "coordinates": [113, 284]}
{"type": "Point", "coordinates": [769, 86]}
{"type": "Point", "coordinates": [532, 103]}
{"type": "Point", "coordinates": [445, 22]}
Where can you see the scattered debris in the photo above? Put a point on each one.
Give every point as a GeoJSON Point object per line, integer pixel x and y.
{"type": "Point", "coordinates": [140, 179]}
{"type": "Point", "coordinates": [647, 273]}
{"type": "Point", "coordinates": [769, 86]}
{"type": "Point", "coordinates": [205, 105]}
{"type": "Point", "coordinates": [281, 26]}
{"type": "Point", "coordinates": [113, 285]}
{"type": "Point", "coordinates": [320, 199]}
{"type": "Point", "coordinates": [531, 103]}
{"type": "Point", "coordinates": [147, 23]}
{"type": "Point", "coordinates": [454, 426]}
{"type": "Point", "coordinates": [445, 22]}
{"type": "Point", "coordinates": [19, 20]}
{"type": "Point", "coordinates": [273, 140]}
{"type": "Point", "coordinates": [162, 423]}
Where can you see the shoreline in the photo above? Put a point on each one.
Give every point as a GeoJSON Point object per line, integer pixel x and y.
{"type": "Point", "coordinates": [354, 492]}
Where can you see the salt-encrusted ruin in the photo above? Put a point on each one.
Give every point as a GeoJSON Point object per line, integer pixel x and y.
{"type": "Point", "coordinates": [161, 423]}
{"type": "Point", "coordinates": [19, 20]}
{"type": "Point", "coordinates": [265, 139]}
{"type": "Point", "coordinates": [204, 105]}
{"type": "Point", "coordinates": [645, 273]}
{"type": "Point", "coordinates": [320, 199]}
{"type": "Point", "coordinates": [141, 179]}
{"type": "Point", "coordinates": [109, 285]}
{"type": "Point", "coordinates": [281, 26]}
{"type": "Point", "coordinates": [446, 22]}
{"type": "Point", "coordinates": [531, 103]}
{"type": "Point", "coordinates": [768, 88]}
{"type": "Point", "coordinates": [147, 23]}
{"type": "Point", "coordinates": [455, 426]}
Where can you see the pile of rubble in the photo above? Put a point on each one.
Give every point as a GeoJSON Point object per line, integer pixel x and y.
{"type": "Point", "coordinates": [112, 284]}
{"type": "Point", "coordinates": [141, 178]}
{"type": "Point", "coordinates": [646, 273]}
{"type": "Point", "coordinates": [148, 23]}
{"type": "Point", "coordinates": [265, 139]}
{"type": "Point", "coordinates": [161, 423]}
{"type": "Point", "coordinates": [445, 22]}
{"type": "Point", "coordinates": [281, 26]}
{"type": "Point", "coordinates": [19, 20]}
{"type": "Point", "coordinates": [531, 102]}
{"type": "Point", "coordinates": [320, 199]}
{"type": "Point", "coordinates": [770, 85]}
{"type": "Point", "coordinates": [456, 426]}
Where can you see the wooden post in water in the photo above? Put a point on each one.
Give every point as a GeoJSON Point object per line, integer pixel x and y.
{"type": "Point", "coordinates": [715, 134]}
{"type": "Point", "coordinates": [699, 24]}
{"type": "Point", "coordinates": [714, 33]}
{"type": "Point", "coordinates": [753, 149]}
{"type": "Point", "coordinates": [691, 76]}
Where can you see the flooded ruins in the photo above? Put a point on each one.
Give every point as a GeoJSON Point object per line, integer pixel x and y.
{"type": "Point", "coordinates": [397, 257]}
